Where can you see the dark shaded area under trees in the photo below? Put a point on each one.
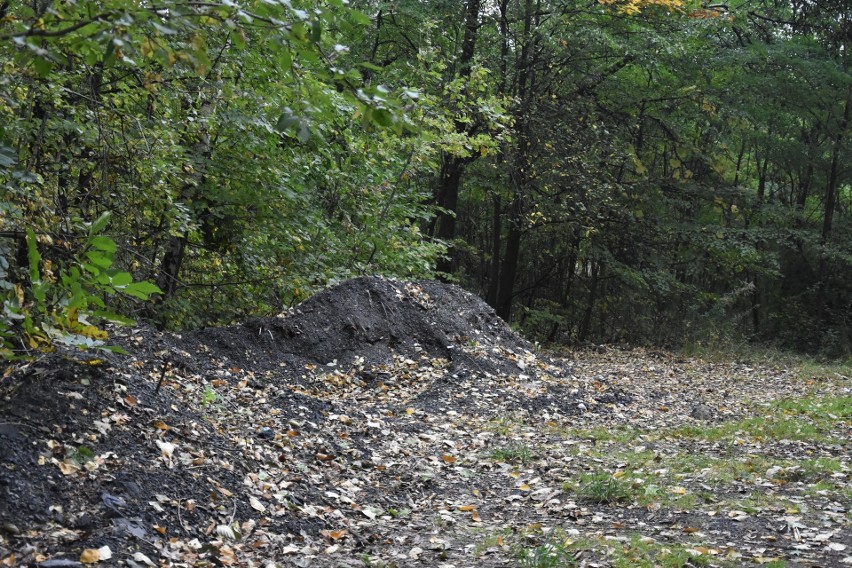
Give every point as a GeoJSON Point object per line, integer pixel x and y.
{"type": "Point", "coordinates": [630, 170]}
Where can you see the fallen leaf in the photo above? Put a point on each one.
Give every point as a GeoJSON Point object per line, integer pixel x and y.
{"type": "Point", "coordinates": [166, 448]}
{"type": "Point", "coordinates": [94, 555]}
{"type": "Point", "coordinates": [334, 535]}
{"type": "Point", "coordinates": [67, 468]}
{"type": "Point", "coordinates": [160, 425]}
{"type": "Point", "coordinates": [448, 459]}
{"type": "Point", "coordinates": [257, 505]}
{"type": "Point", "coordinates": [139, 557]}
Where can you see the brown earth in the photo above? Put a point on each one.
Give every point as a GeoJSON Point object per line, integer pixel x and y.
{"type": "Point", "coordinates": [386, 423]}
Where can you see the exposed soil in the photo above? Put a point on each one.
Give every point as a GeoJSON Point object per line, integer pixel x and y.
{"type": "Point", "coordinates": [387, 423]}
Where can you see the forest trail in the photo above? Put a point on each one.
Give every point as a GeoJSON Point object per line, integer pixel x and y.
{"type": "Point", "coordinates": [387, 423]}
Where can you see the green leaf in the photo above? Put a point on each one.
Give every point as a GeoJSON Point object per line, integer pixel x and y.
{"type": "Point", "coordinates": [42, 66]}
{"type": "Point", "coordinates": [113, 317]}
{"type": "Point", "coordinates": [121, 279]}
{"type": "Point", "coordinates": [370, 66]}
{"type": "Point", "coordinates": [360, 18]}
{"type": "Point", "coordinates": [141, 290]}
{"type": "Point", "coordinates": [103, 243]}
{"type": "Point", "coordinates": [33, 256]}
{"type": "Point", "coordinates": [100, 223]}
{"type": "Point", "coordinates": [98, 260]}
{"type": "Point", "coordinates": [8, 157]}
{"type": "Point", "coordinates": [383, 117]}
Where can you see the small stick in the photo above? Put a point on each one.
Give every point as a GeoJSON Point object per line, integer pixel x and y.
{"type": "Point", "coordinates": [162, 376]}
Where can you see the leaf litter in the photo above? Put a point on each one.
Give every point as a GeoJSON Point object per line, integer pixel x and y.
{"type": "Point", "coordinates": [386, 423]}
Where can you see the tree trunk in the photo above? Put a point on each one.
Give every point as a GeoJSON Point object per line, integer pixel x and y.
{"type": "Point", "coordinates": [496, 246]}
{"type": "Point", "coordinates": [510, 262]}
{"type": "Point", "coordinates": [452, 167]}
{"type": "Point", "coordinates": [168, 277]}
{"type": "Point", "coordinates": [448, 199]}
{"type": "Point", "coordinates": [586, 324]}
{"type": "Point", "coordinates": [520, 174]}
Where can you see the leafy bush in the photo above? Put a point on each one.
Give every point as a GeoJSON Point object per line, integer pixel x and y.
{"type": "Point", "coordinates": [65, 304]}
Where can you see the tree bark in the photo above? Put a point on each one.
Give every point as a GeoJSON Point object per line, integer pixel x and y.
{"type": "Point", "coordinates": [452, 167]}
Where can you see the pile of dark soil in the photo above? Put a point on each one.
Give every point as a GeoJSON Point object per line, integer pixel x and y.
{"type": "Point", "coordinates": [370, 319]}
{"type": "Point", "coordinates": [84, 463]}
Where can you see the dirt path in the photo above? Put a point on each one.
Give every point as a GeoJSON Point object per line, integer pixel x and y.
{"type": "Point", "coordinates": [398, 424]}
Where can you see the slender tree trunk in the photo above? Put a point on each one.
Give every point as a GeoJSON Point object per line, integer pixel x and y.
{"type": "Point", "coordinates": [834, 172]}
{"type": "Point", "coordinates": [520, 174]}
{"type": "Point", "coordinates": [831, 192]}
{"type": "Point", "coordinates": [510, 261]}
{"type": "Point", "coordinates": [448, 198]}
{"type": "Point", "coordinates": [170, 266]}
{"type": "Point", "coordinates": [496, 246]}
{"type": "Point", "coordinates": [586, 324]}
{"type": "Point", "coordinates": [452, 167]}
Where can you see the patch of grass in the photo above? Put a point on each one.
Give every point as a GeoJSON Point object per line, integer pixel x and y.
{"type": "Point", "coordinates": [604, 488]}
{"type": "Point", "coordinates": [819, 409]}
{"type": "Point", "coordinates": [515, 453]}
{"type": "Point", "coordinates": [802, 367]}
{"type": "Point", "coordinates": [504, 425]}
{"type": "Point", "coordinates": [812, 470]}
{"type": "Point", "coordinates": [639, 552]}
{"type": "Point", "coordinates": [492, 541]}
{"type": "Point", "coordinates": [760, 428]}
{"type": "Point", "coordinates": [550, 554]}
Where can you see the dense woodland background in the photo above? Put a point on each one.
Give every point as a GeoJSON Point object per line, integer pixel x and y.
{"type": "Point", "coordinates": [658, 171]}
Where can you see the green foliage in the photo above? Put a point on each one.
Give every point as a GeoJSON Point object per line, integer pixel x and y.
{"type": "Point", "coordinates": [550, 554]}
{"type": "Point", "coordinates": [604, 488]}
{"type": "Point", "coordinates": [621, 178]}
{"type": "Point", "coordinates": [516, 453]}
{"type": "Point", "coordinates": [66, 303]}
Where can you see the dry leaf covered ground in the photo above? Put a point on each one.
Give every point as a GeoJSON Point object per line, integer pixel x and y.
{"type": "Point", "coordinates": [398, 424]}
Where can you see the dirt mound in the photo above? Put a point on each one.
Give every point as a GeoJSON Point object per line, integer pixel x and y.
{"type": "Point", "coordinates": [369, 320]}
{"type": "Point", "coordinates": [156, 452]}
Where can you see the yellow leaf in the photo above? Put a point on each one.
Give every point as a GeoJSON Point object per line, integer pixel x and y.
{"type": "Point", "coordinates": [448, 459]}
{"type": "Point", "coordinates": [93, 555]}
{"type": "Point", "coordinates": [467, 508]}
{"type": "Point", "coordinates": [678, 490]}
{"type": "Point", "coordinates": [90, 556]}
{"type": "Point", "coordinates": [475, 516]}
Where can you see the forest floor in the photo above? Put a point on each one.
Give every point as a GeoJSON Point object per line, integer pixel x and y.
{"type": "Point", "coordinates": [388, 424]}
